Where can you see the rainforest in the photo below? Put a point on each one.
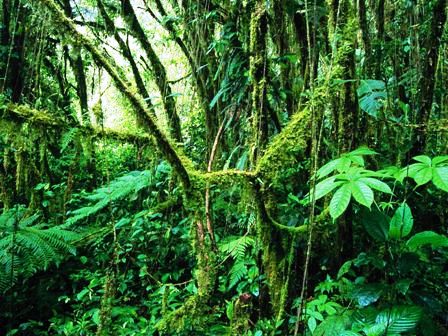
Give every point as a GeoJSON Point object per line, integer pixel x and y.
{"type": "Point", "coordinates": [224, 167]}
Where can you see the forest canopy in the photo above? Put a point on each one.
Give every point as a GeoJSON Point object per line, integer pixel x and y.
{"type": "Point", "coordinates": [234, 167]}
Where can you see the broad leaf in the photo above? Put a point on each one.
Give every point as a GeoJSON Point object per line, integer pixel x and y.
{"type": "Point", "coordinates": [414, 169]}
{"type": "Point", "coordinates": [423, 159]}
{"type": "Point", "coordinates": [333, 326]}
{"type": "Point", "coordinates": [423, 176]}
{"type": "Point", "coordinates": [326, 186]}
{"type": "Point", "coordinates": [372, 95]}
{"type": "Point", "coordinates": [367, 294]}
{"type": "Point", "coordinates": [343, 164]}
{"type": "Point", "coordinates": [358, 159]}
{"type": "Point", "coordinates": [362, 193]}
{"type": "Point", "coordinates": [376, 184]}
{"type": "Point", "coordinates": [327, 168]}
{"type": "Point", "coordinates": [439, 159]}
{"type": "Point", "coordinates": [399, 319]}
{"type": "Point", "coordinates": [440, 178]}
{"type": "Point", "coordinates": [401, 223]}
{"type": "Point", "coordinates": [376, 223]}
{"type": "Point", "coordinates": [427, 238]}
{"type": "Point", "coordinates": [340, 201]}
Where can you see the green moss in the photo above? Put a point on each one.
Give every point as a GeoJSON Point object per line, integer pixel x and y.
{"type": "Point", "coordinates": [284, 150]}
{"type": "Point", "coordinates": [239, 324]}
{"type": "Point", "coordinates": [192, 316]}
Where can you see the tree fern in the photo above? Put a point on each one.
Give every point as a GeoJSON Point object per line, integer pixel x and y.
{"type": "Point", "coordinates": [26, 247]}
{"type": "Point", "coordinates": [126, 186]}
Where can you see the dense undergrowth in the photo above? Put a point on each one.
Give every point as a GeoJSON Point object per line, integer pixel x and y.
{"type": "Point", "coordinates": [237, 167]}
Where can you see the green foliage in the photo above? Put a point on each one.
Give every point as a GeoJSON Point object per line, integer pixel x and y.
{"type": "Point", "coordinates": [236, 247]}
{"type": "Point", "coordinates": [126, 186]}
{"type": "Point", "coordinates": [427, 169]}
{"type": "Point", "coordinates": [351, 180]}
{"type": "Point", "coordinates": [27, 246]}
{"type": "Point", "coordinates": [372, 96]}
{"type": "Point", "coordinates": [427, 238]}
{"type": "Point", "coordinates": [404, 257]}
{"type": "Point", "coordinates": [401, 222]}
{"type": "Point", "coordinates": [244, 272]}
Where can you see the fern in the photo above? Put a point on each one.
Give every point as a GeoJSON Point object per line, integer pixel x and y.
{"type": "Point", "coordinates": [126, 186]}
{"type": "Point", "coordinates": [236, 247]}
{"type": "Point", "coordinates": [237, 272]}
{"type": "Point", "coordinates": [26, 247]}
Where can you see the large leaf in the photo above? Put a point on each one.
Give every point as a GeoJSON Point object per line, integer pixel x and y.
{"type": "Point", "coordinates": [399, 319]}
{"type": "Point", "coordinates": [362, 193]}
{"type": "Point", "coordinates": [328, 168]}
{"type": "Point", "coordinates": [401, 223]}
{"type": "Point", "coordinates": [439, 160]}
{"type": "Point", "coordinates": [326, 186]}
{"type": "Point", "coordinates": [414, 169]}
{"type": "Point", "coordinates": [423, 176]}
{"type": "Point", "coordinates": [376, 184]}
{"type": "Point", "coordinates": [372, 95]}
{"type": "Point", "coordinates": [376, 223]}
{"type": "Point", "coordinates": [423, 159]}
{"type": "Point", "coordinates": [367, 294]}
{"type": "Point", "coordinates": [427, 237]}
{"type": "Point", "coordinates": [340, 201]}
{"type": "Point", "coordinates": [440, 178]}
{"type": "Point", "coordinates": [333, 325]}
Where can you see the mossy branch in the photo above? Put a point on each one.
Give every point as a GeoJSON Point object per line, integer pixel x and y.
{"type": "Point", "coordinates": [297, 230]}
{"type": "Point", "coordinates": [25, 114]}
{"type": "Point", "coordinates": [291, 142]}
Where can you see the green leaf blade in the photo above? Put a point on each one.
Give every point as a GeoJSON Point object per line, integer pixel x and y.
{"type": "Point", "coordinates": [340, 201]}
{"type": "Point", "coordinates": [440, 177]}
{"type": "Point", "coordinates": [401, 223]}
{"type": "Point", "coordinates": [427, 238]}
{"type": "Point", "coordinates": [376, 184]}
{"type": "Point", "coordinates": [362, 193]}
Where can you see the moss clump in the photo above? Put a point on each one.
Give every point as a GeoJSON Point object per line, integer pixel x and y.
{"type": "Point", "coordinates": [239, 324]}
{"type": "Point", "coordinates": [285, 150]}
{"type": "Point", "coordinates": [191, 317]}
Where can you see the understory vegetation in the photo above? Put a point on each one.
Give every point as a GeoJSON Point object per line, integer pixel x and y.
{"type": "Point", "coordinates": [235, 167]}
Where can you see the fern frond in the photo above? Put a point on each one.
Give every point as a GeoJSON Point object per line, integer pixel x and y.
{"type": "Point", "coordinates": [237, 272]}
{"type": "Point", "coordinates": [123, 187]}
{"type": "Point", "coordinates": [237, 246]}
{"type": "Point", "coordinates": [26, 247]}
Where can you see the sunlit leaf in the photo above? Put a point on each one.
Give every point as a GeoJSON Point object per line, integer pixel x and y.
{"type": "Point", "coordinates": [423, 159]}
{"type": "Point", "coordinates": [423, 176]}
{"type": "Point", "coordinates": [340, 201]}
{"type": "Point", "coordinates": [362, 193]}
{"type": "Point", "coordinates": [376, 184]}
{"type": "Point", "coordinates": [440, 178]}
{"type": "Point", "coordinates": [327, 168]}
{"type": "Point", "coordinates": [427, 238]}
